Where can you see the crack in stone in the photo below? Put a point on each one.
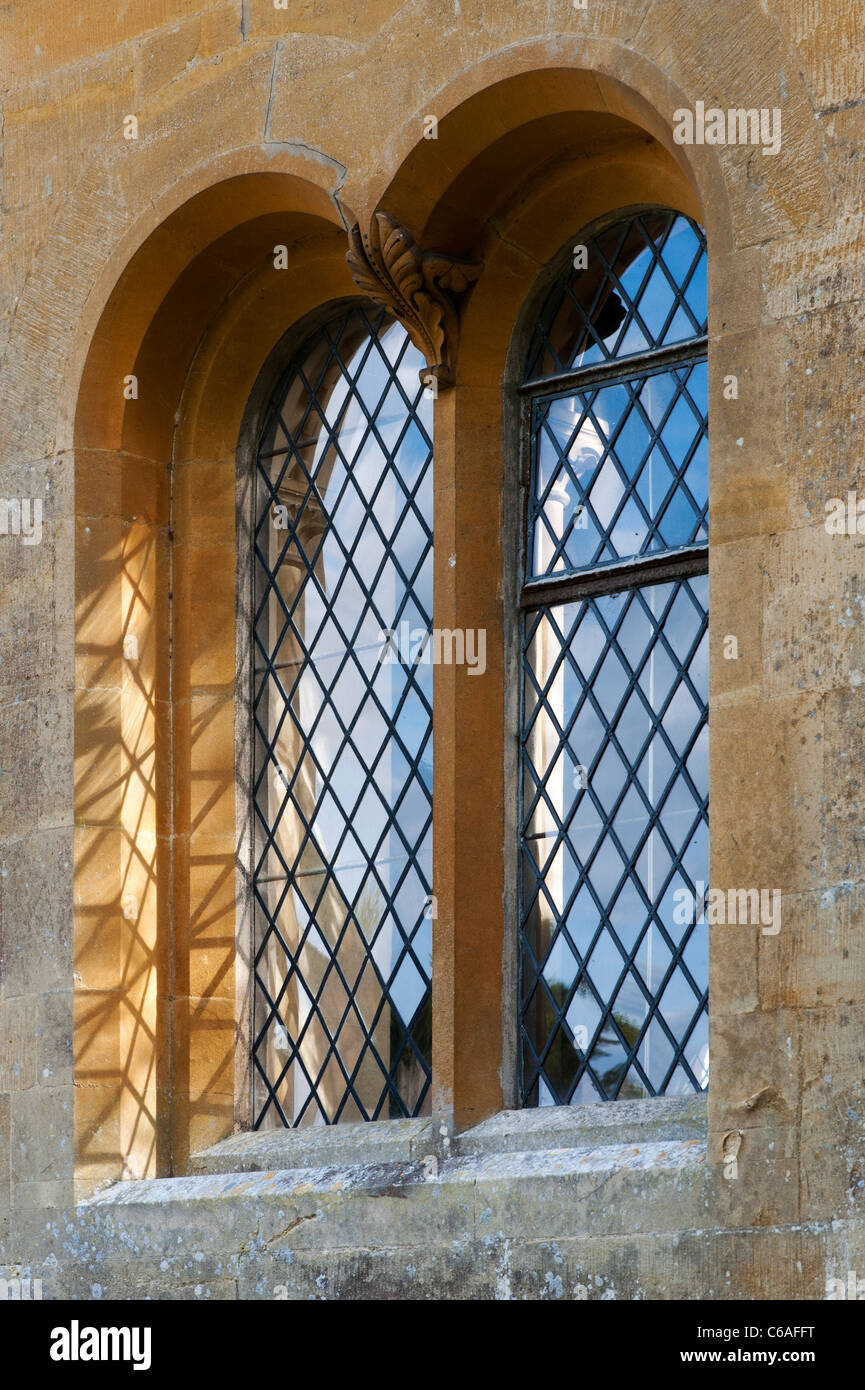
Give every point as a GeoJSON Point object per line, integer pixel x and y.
{"type": "Point", "coordinates": [313, 152]}
{"type": "Point", "coordinates": [268, 115]}
{"type": "Point", "coordinates": [292, 1225]}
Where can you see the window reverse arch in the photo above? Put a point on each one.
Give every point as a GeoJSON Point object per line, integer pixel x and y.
{"type": "Point", "coordinates": [613, 815]}
{"type": "Point", "coordinates": [343, 731]}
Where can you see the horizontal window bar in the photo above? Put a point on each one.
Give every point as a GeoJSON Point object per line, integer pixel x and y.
{"type": "Point", "coordinates": [608, 579]}
{"type": "Point", "coordinates": [582, 378]}
{"type": "Point", "coordinates": [330, 868]}
{"type": "Point", "coordinates": [313, 660]}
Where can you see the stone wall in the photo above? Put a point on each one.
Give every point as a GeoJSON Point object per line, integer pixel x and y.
{"type": "Point", "coordinates": [122, 1027]}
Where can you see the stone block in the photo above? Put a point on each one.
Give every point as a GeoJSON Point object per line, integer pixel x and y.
{"type": "Point", "coordinates": [833, 1112]}
{"type": "Point", "coordinates": [165, 54]}
{"type": "Point", "coordinates": [111, 484]}
{"type": "Point", "coordinates": [736, 608]}
{"type": "Point", "coordinates": [52, 1038]}
{"type": "Point", "coordinates": [755, 1070]}
{"type": "Point", "coordinates": [87, 101]}
{"type": "Point", "coordinates": [35, 912]}
{"type": "Point", "coordinates": [844, 833]}
{"type": "Point", "coordinates": [813, 611]}
{"type": "Point", "coordinates": [816, 961]}
{"type": "Point", "coordinates": [749, 484]}
{"type": "Point", "coordinates": [204, 593]}
{"type": "Point", "coordinates": [824, 425]}
{"type": "Point", "coordinates": [205, 898]}
{"type": "Point", "coordinates": [18, 1059]}
{"type": "Point", "coordinates": [41, 1138]}
{"type": "Point", "coordinates": [768, 758]}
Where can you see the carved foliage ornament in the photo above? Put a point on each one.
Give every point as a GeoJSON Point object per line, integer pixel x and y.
{"type": "Point", "coordinates": [418, 287]}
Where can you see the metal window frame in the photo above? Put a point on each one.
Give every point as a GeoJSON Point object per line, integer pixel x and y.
{"type": "Point", "coordinates": [261, 668]}
{"type": "Point", "coordinates": [540, 594]}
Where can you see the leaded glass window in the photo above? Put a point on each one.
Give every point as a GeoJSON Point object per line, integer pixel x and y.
{"type": "Point", "coordinates": [343, 732]}
{"type": "Point", "coordinates": [614, 697]}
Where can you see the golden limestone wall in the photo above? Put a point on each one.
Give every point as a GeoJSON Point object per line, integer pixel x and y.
{"type": "Point", "coordinates": [152, 156]}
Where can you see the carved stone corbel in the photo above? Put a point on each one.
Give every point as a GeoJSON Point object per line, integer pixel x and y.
{"type": "Point", "coordinates": [419, 288]}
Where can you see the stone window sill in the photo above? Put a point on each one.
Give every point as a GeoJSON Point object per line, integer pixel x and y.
{"type": "Point", "coordinates": [625, 1124]}
{"type": "Point", "coordinates": [587, 1202]}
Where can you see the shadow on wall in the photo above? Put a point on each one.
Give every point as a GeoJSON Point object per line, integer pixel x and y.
{"type": "Point", "coordinates": [166, 384]}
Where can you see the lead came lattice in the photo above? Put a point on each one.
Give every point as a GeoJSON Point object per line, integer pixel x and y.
{"type": "Point", "coordinates": [343, 762]}
{"type": "Point", "coordinates": [614, 724]}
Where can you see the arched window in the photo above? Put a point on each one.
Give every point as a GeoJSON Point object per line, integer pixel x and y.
{"type": "Point", "coordinates": [614, 704]}
{"type": "Point", "coordinates": [342, 706]}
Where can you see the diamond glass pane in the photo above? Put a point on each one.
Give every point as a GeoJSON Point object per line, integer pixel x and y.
{"type": "Point", "coordinates": [643, 287]}
{"type": "Point", "coordinates": [614, 821]}
{"type": "Point", "coordinates": [343, 724]}
{"type": "Point", "coordinates": [614, 739]}
{"type": "Point", "coordinates": [620, 471]}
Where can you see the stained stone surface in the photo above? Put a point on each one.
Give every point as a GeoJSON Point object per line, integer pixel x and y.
{"type": "Point", "coordinates": [123, 1027]}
